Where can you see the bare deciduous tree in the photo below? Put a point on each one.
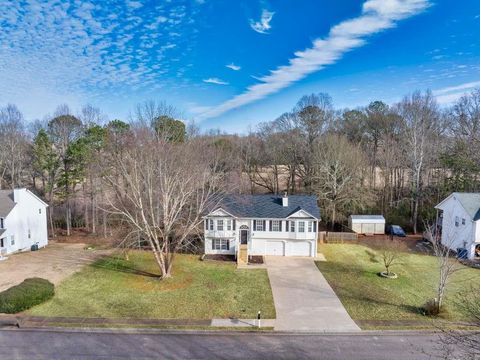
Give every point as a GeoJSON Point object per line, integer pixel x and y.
{"type": "Point", "coordinates": [339, 169]}
{"type": "Point", "coordinates": [162, 190]}
{"type": "Point", "coordinates": [390, 251]}
{"type": "Point", "coordinates": [448, 264]}
{"type": "Point", "coordinates": [420, 120]}
{"type": "Point", "coordinates": [464, 345]}
{"type": "Point", "coordinates": [13, 146]}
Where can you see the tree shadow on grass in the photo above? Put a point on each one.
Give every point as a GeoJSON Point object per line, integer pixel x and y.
{"type": "Point", "coordinates": [120, 265]}
{"type": "Point", "coordinates": [372, 256]}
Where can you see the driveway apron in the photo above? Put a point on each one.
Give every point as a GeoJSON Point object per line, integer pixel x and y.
{"type": "Point", "coordinates": [303, 299]}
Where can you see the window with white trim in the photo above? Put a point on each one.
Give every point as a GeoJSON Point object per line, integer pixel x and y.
{"type": "Point", "coordinates": [301, 226]}
{"type": "Point", "coordinates": [211, 225]}
{"type": "Point", "coordinates": [310, 226]}
{"type": "Point", "coordinates": [463, 221]}
{"type": "Point", "coordinates": [220, 244]}
{"type": "Point", "coordinates": [457, 221]}
{"type": "Point", "coordinates": [275, 225]}
{"type": "Point", "coordinates": [229, 224]}
{"type": "Point", "coordinates": [292, 226]}
{"type": "Point", "coordinates": [259, 226]}
{"type": "Point", "coordinates": [220, 225]}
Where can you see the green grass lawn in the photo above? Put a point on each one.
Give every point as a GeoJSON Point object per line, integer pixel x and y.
{"type": "Point", "coordinates": [115, 288]}
{"type": "Point", "coordinates": [352, 271]}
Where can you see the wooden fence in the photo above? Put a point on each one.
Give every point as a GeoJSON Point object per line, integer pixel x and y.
{"type": "Point", "coordinates": [340, 237]}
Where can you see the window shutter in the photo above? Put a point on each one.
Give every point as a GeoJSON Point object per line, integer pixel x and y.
{"type": "Point", "coordinates": [228, 244]}
{"type": "Point", "coordinates": [213, 244]}
{"type": "Point", "coordinates": [264, 225]}
{"type": "Point", "coordinates": [206, 224]}
{"type": "Point", "coordinates": [281, 222]}
{"type": "Point", "coordinates": [287, 229]}
{"type": "Point", "coordinates": [270, 222]}
{"type": "Point", "coordinates": [254, 225]}
{"type": "Point", "coordinates": [234, 224]}
{"type": "Point", "coordinates": [314, 226]}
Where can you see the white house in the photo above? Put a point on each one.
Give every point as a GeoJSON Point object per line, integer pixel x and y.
{"type": "Point", "coordinates": [367, 224]}
{"type": "Point", "coordinates": [460, 222]}
{"type": "Point", "coordinates": [23, 221]}
{"type": "Point", "coordinates": [244, 225]}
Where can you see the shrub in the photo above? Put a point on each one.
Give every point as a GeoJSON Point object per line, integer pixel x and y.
{"type": "Point", "coordinates": [30, 292]}
{"type": "Point", "coordinates": [431, 308]}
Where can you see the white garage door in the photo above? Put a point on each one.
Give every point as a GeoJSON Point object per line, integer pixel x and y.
{"type": "Point", "coordinates": [274, 248]}
{"type": "Point", "coordinates": [301, 248]}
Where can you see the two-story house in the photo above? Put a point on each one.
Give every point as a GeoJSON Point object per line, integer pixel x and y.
{"type": "Point", "coordinates": [23, 221]}
{"type": "Point", "coordinates": [244, 225]}
{"type": "Point", "coordinates": [460, 222]}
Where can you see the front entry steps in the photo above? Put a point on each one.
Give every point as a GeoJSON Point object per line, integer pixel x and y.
{"type": "Point", "coordinates": [243, 254]}
{"type": "Point", "coordinates": [243, 261]}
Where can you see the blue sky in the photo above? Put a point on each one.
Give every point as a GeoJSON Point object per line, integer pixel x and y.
{"type": "Point", "coordinates": [233, 64]}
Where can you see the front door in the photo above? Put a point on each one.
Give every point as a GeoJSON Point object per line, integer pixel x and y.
{"type": "Point", "coordinates": [243, 236]}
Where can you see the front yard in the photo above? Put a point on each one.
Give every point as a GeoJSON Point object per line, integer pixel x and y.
{"type": "Point", "coordinates": [352, 271]}
{"type": "Point", "coordinates": [114, 288]}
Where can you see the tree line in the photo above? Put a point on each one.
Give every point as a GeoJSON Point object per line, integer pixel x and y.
{"type": "Point", "coordinates": [398, 160]}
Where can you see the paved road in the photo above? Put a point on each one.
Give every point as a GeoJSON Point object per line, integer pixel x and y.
{"type": "Point", "coordinates": [33, 344]}
{"type": "Point", "coordinates": [303, 299]}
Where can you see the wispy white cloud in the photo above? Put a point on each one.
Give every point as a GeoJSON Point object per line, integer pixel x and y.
{"type": "Point", "coordinates": [233, 67]}
{"type": "Point", "coordinates": [134, 4]}
{"type": "Point", "coordinates": [263, 25]}
{"type": "Point", "coordinates": [216, 81]}
{"type": "Point", "coordinates": [451, 94]}
{"type": "Point", "coordinates": [376, 16]}
{"type": "Point", "coordinates": [88, 49]}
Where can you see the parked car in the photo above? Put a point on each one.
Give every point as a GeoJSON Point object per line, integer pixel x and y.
{"type": "Point", "coordinates": [396, 230]}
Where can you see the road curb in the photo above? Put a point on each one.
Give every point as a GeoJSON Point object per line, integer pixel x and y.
{"type": "Point", "coordinates": [219, 331]}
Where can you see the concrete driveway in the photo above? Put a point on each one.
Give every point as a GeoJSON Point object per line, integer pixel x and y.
{"type": "Point", "coordinates": [54, 262]}
{"type": "Point", "coordinates": [303, 299]}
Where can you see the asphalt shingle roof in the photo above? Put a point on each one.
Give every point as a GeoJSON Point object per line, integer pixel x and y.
{"type": "Point", "coordinates": [470, 202]}
{"type": "Point", "coordinates": [268, 206]}
{"type": "Point", "coordinates": [6, 202]}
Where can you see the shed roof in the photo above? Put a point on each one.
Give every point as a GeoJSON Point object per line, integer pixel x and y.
{"type": "Point", "coordinates": [6, 202]}
{"type": "Point", "coordinates": [268, 206]}
{"type": "Point", "coordinates": [369, 218]}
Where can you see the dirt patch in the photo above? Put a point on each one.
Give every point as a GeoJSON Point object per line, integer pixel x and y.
{"type": "Point", "coordinates": [83, 236]}
{"type": "Point", "coordinates": [411, 241]}
{"type": "Point", "coordinates": [220, 257]}
{"type": "Point", "coordinates": [54, 263]}
{"type": "Point", "coordinates": [255, 259]}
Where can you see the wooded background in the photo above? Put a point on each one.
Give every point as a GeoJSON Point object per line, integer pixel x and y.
{"type": "Point", "coordinates": [397, 160]}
